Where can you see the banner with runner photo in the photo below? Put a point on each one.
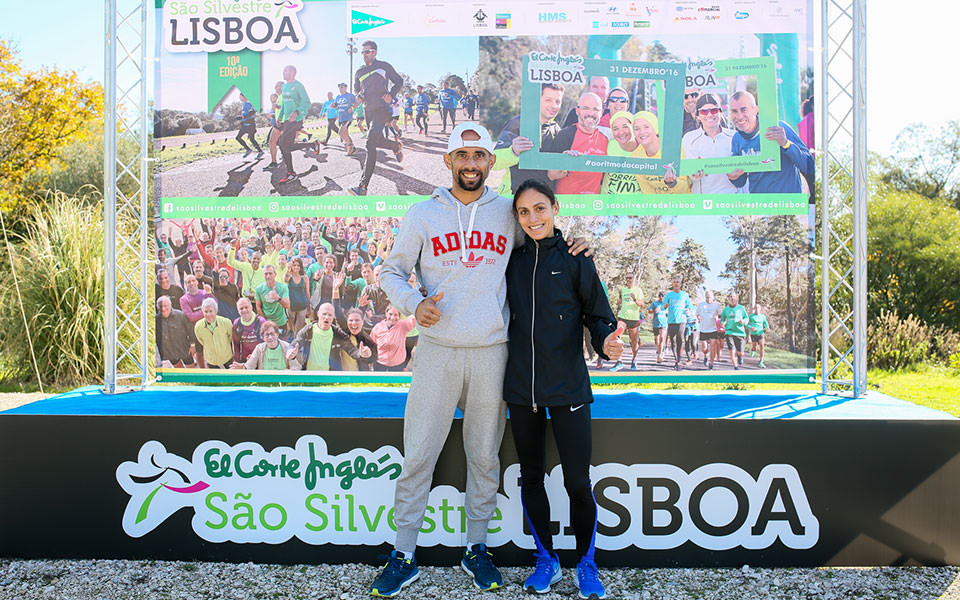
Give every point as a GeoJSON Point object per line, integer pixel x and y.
{"type": "Point", "coordinates": [291, 138]}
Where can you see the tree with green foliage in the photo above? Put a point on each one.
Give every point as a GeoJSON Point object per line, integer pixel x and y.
{"type": "Point", "coordinates": [927, 162]}
{"type": "Point", "coordinates": [749, 233]}
{"type": "Point", "coordinates": [771, 266]}
{"type": "Point", "coordinates": [792, 245]}
{"type": "Point", "coordinates": [641, 246]}
{"type": "Point", "coordinates": [689, 264]}
{"type": "Point", "coordinates": [454, 82]}
{"type": "Point", "coordinates": [913, 254]}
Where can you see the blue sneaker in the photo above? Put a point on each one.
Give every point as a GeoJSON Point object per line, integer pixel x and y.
{"type": "Point", "coordinates": [398, 573]}
{"type": "Point", "coordinates": [546, 573]}
{"type": "Point", "coordinates": [478, 562]}
{"type": "Point", "coordinates": [588, 580]}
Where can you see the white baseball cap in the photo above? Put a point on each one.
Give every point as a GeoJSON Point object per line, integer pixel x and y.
{"type": "Point", "coordinates": [456, 138]}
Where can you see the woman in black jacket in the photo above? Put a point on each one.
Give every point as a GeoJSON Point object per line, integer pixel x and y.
{"type": "Point", "coordinates": [553, 295]}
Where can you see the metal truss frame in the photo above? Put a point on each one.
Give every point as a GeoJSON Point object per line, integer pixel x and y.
{"type": "Point", "coordinates": [126, 192]}
{"type": "Point", "coordinates": [842, 142]}
{"type": "Point", "coordinates": [841, 111]}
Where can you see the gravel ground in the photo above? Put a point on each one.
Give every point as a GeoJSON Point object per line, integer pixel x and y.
{"type": "Point", "coordinates": [122, 580]}
{"type": "Point", "coordinates": [8, 401]}
{"type": "Point", "coordinates": [160, 580]}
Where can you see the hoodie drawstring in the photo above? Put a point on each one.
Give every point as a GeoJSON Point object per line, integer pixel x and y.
{"type": "Point", "coordinates": [466, 234]}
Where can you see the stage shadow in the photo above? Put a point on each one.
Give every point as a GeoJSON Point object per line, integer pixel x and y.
{"type": "Point", "coordinates": [237, 179]}
{"type": "Point", "coordinates": [289, 188]}
{"type": "Point", "coordinates": [391, 170]}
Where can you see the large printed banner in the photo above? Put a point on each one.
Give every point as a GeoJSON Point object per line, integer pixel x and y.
{"type": "Point", "coordinates": [247, 494]}
{"type": "Point", "coordinates": [320, 490]}
{"type": "Point", "coordinates": [291, 137]}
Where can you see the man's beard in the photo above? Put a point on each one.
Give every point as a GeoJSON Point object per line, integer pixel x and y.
{"type": "Point", "coordinates": [468, 185]}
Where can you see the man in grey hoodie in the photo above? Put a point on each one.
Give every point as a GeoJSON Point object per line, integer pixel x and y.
{"type": "Point", "coordinates": [459, 241]}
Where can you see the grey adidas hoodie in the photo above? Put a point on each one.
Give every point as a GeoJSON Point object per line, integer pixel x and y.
{"type": "Point", "coordinates": [462, 251]}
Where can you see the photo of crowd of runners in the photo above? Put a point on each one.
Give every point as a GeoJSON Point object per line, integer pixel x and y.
{"type": "Point", "coordinates": [303, 294]}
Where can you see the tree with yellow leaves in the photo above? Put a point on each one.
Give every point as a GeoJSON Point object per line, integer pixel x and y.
{"type": "Point", "coordinates": [40, 113]}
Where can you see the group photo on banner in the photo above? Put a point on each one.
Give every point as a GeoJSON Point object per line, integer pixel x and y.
{"type": "Point", "coordinates": [685, 160]}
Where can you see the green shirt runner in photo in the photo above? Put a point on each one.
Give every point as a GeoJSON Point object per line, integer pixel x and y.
{"type": "Point", "coordinates": [273, 359]}
{"type": "Point", "coordinates": [273, 311]}
{"type": "Point", "coordinates": [320, 342]}
{"type": "Point", "coordinates": [733, 319]}
{"type": "Point", "coordinates": [628, 308]}
{"type": "Point", "coordinates": [295, 99]}
{"type": "Point", "coordinates": [216, 339]}
{"type": "Point", "coordinates": [758, 324]}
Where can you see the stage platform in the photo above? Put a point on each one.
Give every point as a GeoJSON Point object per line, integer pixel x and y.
{"type": "Point", "coordinates": [307, 475]}
{"type": "Point", "coordinates": [387, 403]}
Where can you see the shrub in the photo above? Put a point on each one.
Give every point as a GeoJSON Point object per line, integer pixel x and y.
{"type": "Point", "coordinates": [895, 343]}
{"type": "Point", "coordinates": [78, 170]}
{"type": "Point", "coordinates": [945, 343]}
{"type": "Point", "coordinates": [59, 263]}
{"type": "Point", "coordinates": [954, 361]}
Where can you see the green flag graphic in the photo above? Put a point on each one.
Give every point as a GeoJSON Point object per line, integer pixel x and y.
{"type": "Point", "coordinates": [362, 21]}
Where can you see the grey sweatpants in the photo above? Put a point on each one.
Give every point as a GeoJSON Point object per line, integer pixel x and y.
{"type": "Point", "coordinates": [445, 378]}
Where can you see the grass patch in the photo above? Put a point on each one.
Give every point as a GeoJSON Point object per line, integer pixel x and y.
{"type": "Point", "coordinates": [927, 385]}
{"type": "Point", "coordinates": [174, 156]}
{"type": "Point", "coordinates": [177, 157]}
{"type": "Point", "coordinates": [775, 358]}
{"type": "Point", "coordinates": [29, 387]}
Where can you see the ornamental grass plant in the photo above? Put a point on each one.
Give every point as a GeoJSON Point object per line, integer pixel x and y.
{"type": "Point", "coordinates": [897, 343]}
{"type": "Point", "coordinates": [59, 263]}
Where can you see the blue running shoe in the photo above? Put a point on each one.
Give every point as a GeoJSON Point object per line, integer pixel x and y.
{"type": "Point", "coordinates": [588, 580]}
{"type": "Point", "coordinates": [398, 573]}
{"type": "Point", "coordinates": [478, 562]}
{"type": "Point", "coordinates": [546, 573]}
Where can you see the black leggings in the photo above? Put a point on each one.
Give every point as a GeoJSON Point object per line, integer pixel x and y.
{"type": "Point", "coordinates": [452, 113]}
{"type": "Point", "coordinates": [331, 128]}
{"type": "Point", "coordinates": [692, 341]}
{"type": "Point", "coordinates": [421, 121]}
{"type": "Point", "coordinates": [571, 429]}
{"type": "Point", "coordinates": [287, 142]}
{"type": "Point", "coordinates": [249, 131]}
{"type": "Point", "coordinates": [675, 335]}
{"type": "Point", "coordinates": [379, 117]}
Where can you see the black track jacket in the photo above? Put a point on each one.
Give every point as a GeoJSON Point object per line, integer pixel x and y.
{"type": "Point", "coordinates": [553, 295]}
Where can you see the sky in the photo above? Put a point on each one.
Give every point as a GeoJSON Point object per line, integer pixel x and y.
{"type": "Point", "coordinates": [898, 38]}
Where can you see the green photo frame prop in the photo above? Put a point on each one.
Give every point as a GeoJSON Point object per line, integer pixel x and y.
{"type": "Point", "coordinates": [576, 70]}
{"type": "Point", "coordinates": [764, 67]}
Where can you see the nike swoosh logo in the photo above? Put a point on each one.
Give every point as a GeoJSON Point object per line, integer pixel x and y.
{"type": "Point", "coordinates": [555, 272]}
{"type": "Point", "coordinates": [577, 407]}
